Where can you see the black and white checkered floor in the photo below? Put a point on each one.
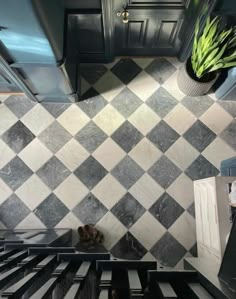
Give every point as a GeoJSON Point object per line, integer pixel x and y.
{"type": "Point", "coordinates": [123, 158]}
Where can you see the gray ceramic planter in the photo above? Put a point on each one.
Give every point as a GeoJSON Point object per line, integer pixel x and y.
{"type": "Point", "coordinates": [189, 86]}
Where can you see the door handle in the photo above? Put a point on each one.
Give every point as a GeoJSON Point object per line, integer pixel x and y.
{"type": "Point", "coordinates": [124, 14]}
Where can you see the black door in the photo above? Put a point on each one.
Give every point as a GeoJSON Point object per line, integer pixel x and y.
{"type": "Point", "coordinates": [152, 27]}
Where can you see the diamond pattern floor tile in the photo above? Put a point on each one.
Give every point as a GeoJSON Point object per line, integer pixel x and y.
{"type": "Point", "coordinates": [109, 119]}
{"type": "Point", "coordinates": [73, 119]}
{"type": "Point", "coordinates": [109, 154]}
{"type": "Point", "coordinates": [19, 104]}
{"type": "Point", "coordinates": [184, 230]}
{"type": "Point", "coordinates": [127, 172]}
{"type": "Point", "coordinates": [33, 119]}
{"type": "Point", "coordinates": [143, 225]}
{"type": "Point", "coordinates": [109, 191]}
{"type": "Point", "coordinates": [146, 191]}
{"type": "Point", "coordinates": [51, 211]}
{"type": "Point", "coordinates": [54, 137]}
{"type": "Point", "coordinates": [109, 86]}
{"type": "Point", "coordinates": [127, 136]}
{"type": "Point", "coordinates": [199, 135]}
{"type": "Point", "coordinates": [201, 168]}
{"type": "Point", "coordinates": [182, 153]}
{"type": "Point", "coordinates": [6, 154]}
{"type": "Point", "coordinates": [5, 191]}
{"type": "Point", "coordinates": [216, 118]}
{"type": "Point", "coordinates": [90, 210]}
{"type": "Point", "coordinates": [128, 247]}
{"type": "Point", "coordinates": [15, 173]}
{"type": "Point", "coordinates": [180, 118]}
{"type": "Point", "coordinates": [71, 191]}
{"type": "Point", "coordinates": [218, 151]}
{"type": "Point", "coordinates": [160, 69]}
{"type": "Point", "coordinates": [53, 173]}
{"type": "Point", "coordinates": [228, 135]}
{"type": "Point", "coordinates": [162, 102]}
{"type": "Point", "coordinates": [112, 228]}
{"type": "Point", "coordinates": [144, 119]}
{"type": "Point", "coordinates": [13, 211]}
{"type": "Point", "coordinates": [126, 70]}
{"type": "Point", "coordinates": [128, 210]}
{"type": "Point", "coordinates": [182, 190]}
{"type": "Point", "coordinates": [72, 154]}
{"type": "Point", "coordinates": [197, 105]}
{"type": "Point", "coordinates": [33, 192]}
{"type": "Point", "coordinates": [91, 136]}
{"type": "Point", "coordinates": [8, 119]}
{"type": "Point", "coordinates": [166, 210]}
{"type": "Point", "coordinates": [164, 172]}
{"type": "Point", "coordinates": [92, 102]}
{"type": "Point", "coordinates": [126, 102]}
{"type": "Point", "coordinates": [90, 172]}
{"type": "Point", "coordinates": [31, 153]}
{"type": "Point", "coordinates": [145, 154]}
{"type": "Point", "coordinates": [163, 136]}
{"type": "Point", "coordinates": [56, 109]}
{"type": "Point", "coordinates": [92, 72]}
{"type": "Point", "coordinates": [18, 136]}
{"type": "Point", "coordinates": [168, 251]}
{"type": "Point", "coordinates": [143, 79]}
{"type": "Point", "coordinates": [147, 99]}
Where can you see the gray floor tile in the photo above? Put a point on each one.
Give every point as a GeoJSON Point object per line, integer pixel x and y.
{"type": "Point", "coordinates": [15, 173]}
{"type": "Point", "coordinates": [128, 248]}
{"type": "Point", "coordinates": [127, 136]}
{"type": "Point", "coordinates": [128, 210]}
{"type": "Point", "coordinates": [193, 250]}
{"type": "Point", "coordinates": [56, 109]}
{"type": "Point", "coordinates": [127, 172]}
{"type": "Point", "coordinates": [162, 102]}
{"type": "Point", "coordinates": [18, 136]}
{"type": "Point", "coordinates": [90, 210]}
{"type": "Point", "coordinates": [197, 105]}
{"type": "Point", "coordinates": [160, 69]}
{"type": "Point", "coordinates": [191, 210]}
{"type": "Point", "coordinates": [126, 102]}
{"type": "Point", "coordinates": [90, 172]}
{"type": "Point", "coordinates": [19, 104]}
{"type": "Point", "coordinates": [91, 136]}
{"type": "Point", "coordinates": [126, 70]}
{"type": "Point", "coordinates": [92, 72]}
{"type": "Point", "coordinates": [53, 173]}
{"type": "Point", "coordinates": [164, 172]}
{"type": "Point", "coordinates": [230, 107]}
{"type": "Point", "coordinates": [92, 102]}
{"type": "Point", "coordinates": [51, 211]}
{"type": "Point", "coordinates": [54, 137]}
{"type": "Point", "coordinates": [201, 168]}
{"type": "Point", "coordinates": [229, 135]}
{"type": "Point", "coordinates": [166, 210]}
{"type": "Point", "coordinates": [199, 136]}
{"type": "Point", "coordinates": [168, 251]}
{"type": "Point", "coordinates": [13, 211]}
{"type": "Point", "coordinates": [163, 136]}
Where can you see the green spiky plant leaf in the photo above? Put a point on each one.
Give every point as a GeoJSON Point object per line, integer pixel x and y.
{"type": "Point", "coordinates": [214, 48]}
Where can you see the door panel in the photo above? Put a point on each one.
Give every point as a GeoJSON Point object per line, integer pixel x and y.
{"type": "Point", "coordinates": [148, 32]}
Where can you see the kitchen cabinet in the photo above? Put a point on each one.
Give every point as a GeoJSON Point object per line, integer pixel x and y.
{"type": "Point", "coordinates": [213, 218]}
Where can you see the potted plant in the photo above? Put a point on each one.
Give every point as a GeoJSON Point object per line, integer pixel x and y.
{"type": "Point", "coordinates": [213, 49]}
